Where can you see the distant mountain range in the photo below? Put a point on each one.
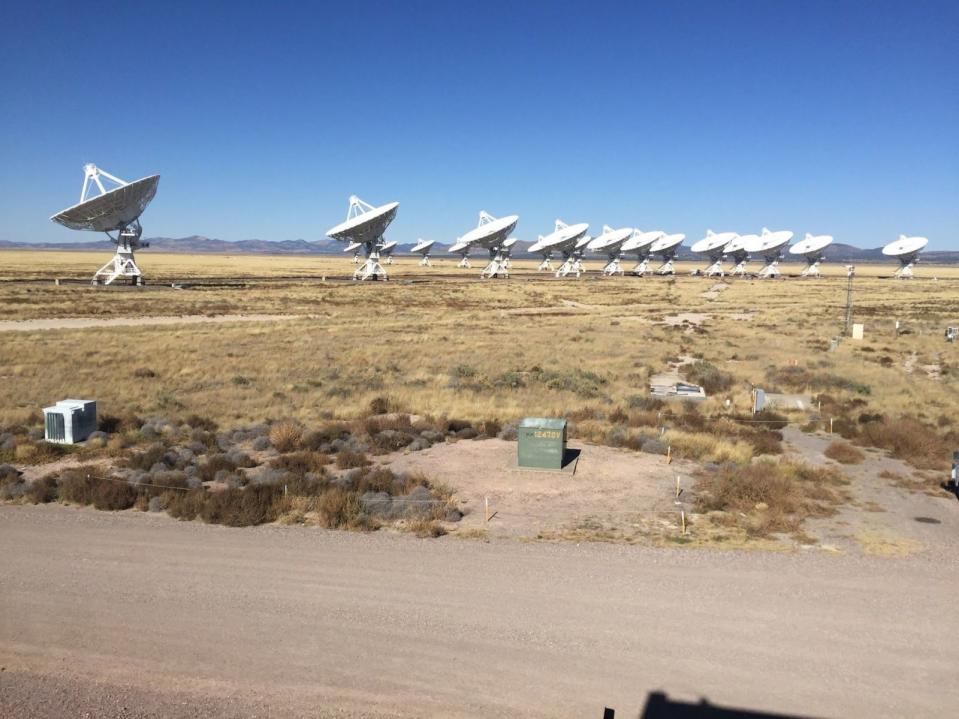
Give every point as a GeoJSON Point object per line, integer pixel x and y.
{"type": "Point", "coordinates": [196, 244]}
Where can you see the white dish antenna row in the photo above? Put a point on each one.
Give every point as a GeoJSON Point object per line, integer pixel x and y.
{"type": "Point", "coordinates": [118, 209]}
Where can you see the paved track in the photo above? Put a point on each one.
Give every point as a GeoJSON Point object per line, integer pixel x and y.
{"type": "Point", "coordinates": [133, 615]}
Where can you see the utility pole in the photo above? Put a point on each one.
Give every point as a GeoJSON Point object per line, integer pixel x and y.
{"type": "Point", "coordinates": [850, 273]}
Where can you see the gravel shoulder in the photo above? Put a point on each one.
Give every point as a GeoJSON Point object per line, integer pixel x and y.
{"type": "Point", "coordinates": [130, 615]}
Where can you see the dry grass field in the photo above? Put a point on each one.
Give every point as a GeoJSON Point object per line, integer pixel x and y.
{"type": "Point", "coordinates": [492, 351]}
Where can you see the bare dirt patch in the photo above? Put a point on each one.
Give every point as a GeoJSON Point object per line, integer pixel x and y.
{"type": "Point", "coordinates": [73, 323]}
{"type": "Point", "coordinates": [619, 489]}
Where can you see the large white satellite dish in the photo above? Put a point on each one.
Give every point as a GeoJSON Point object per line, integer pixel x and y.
{"type": "Point", "coordinates": [738, 250]}
{"type": "Point", "coordinates": [365, 225]}
{"type": "Point", "coordinates": [770, 245]}
{"type": "Point", "coordinates": [811, 247]}
{"type": "Point", "coordinates": [906, 250]}
{"type": "Point", "coordinates": [666, 247]}
{"type": "Point", "coordinates": [610, 243]}
{"type": "Point", "coordinates": [713, 245]}
{"type": "Point", "coordinates": [562, 239]}
{"type": "Point", "coordinates": [640, 244]}
{"type": "Point", "coordinates": [117, 210]}
{"type": "Point", "coordinates": [491, 233]}
{"type": "Point", "coordinates": [423, 247]}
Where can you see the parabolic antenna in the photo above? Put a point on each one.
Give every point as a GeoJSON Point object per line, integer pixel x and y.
{"type": "Point", "coordinates": [770, 245]}
{"type": "Point", "coordinates": [563, 239]}
{"type": "Point", "coordinates": [811, 247]}
{"type": "Point", "coordinates": [116, 210]}
{"type": "Point", "coordinates": [491, 233]}
{"type": "Point", "coordinates": [906, 250]}
{"type": "Point", "coordinates": [386, 250]}
{"type": "Point", "coordinates": [713, 245]}
{"type": "Point", "coordinates": [666, 247]}
{"type": "Point", "coordinates": [365, 225]}
{"type": "Point", "coordinates": [610, 243]}
{"type": "Point", "coordinates": [353, 247]}
{"type": "Point", "coordinates": [423, 247]}
{"type": "Point", "coordinates": [640, 243]}
{"type": "Point", "coordinates": [463, 250]}
{"type": "Point", "coordinates": [738, 250]}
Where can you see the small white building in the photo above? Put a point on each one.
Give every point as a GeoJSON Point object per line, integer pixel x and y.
{"type": "Point", "coordinates": [70, 421]}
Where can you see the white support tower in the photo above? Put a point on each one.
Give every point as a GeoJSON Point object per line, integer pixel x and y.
{"type": "Point", "coordinates": [640, 244]}
{"type": "Point", "coordinates": [738, 251]}
{"type": "Point", "coordinates": [117, 211]}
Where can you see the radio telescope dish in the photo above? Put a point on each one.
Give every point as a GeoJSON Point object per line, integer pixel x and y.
{"type": "Point", "coordinates": [906, 250]}
{"type": "Point", "coordinates": [610, 243]}
{"type": "Point", "coordinates": [423, 247]}
{"type": "Point", "coordinates": [713, 245]}
{"type": "Point", "coordinates": [811, 247]}
{"type": "Point", "coordinates": [355, 248]}
{"type": "Point", "coordinates": [116, 210]}
{"type": "Point", "coordinates": [386, 250]}
{"type": "Point", "coordinates": [491, 233]}
{"type": "Point", "coordinates": [770, 245]}
{"type": "Point", "coordinates": [666, 247]}
{"type": "Point", "coordinates": [738, 249]}
{"type": "Point", "coordinates": [641, 243]}
{"type": "Point", "coordinates": [562, 239]}
{"type": "Point", "coordinates": [463, 250]}
{"type": "Point", "coordinates": [365, 225]}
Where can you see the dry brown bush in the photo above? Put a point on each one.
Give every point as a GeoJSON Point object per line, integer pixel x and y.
{"type": "Point", "coordinates": [771, 497]}
{"type": "Point", "coordinates": [299, 463]}
{"type": "Point", "coordinates": [908, 439]}
{"type": "Point", "coordinates": [347, 459]}
{"type": "Point", "coordinates": [285, 436]}
{"type": "Point", "coordinates": [844, 453]}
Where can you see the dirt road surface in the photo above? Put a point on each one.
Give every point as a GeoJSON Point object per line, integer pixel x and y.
{"type": "Point", "coordinates": [134, 615]}
{"type": "Point", "coordinates": [79, 323]}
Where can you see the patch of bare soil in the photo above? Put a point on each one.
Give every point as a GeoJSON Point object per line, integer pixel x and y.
{"type": "Point", "coordinates": [685, 318]}
{"type": "Point", "coordinates": [620, 491]}
{"type": "Point", "coordinates": [713, 292]}
{"type": "Point", "coordinates": [888, 514]}
{"type": "Point", "coordinates": [38, 471]}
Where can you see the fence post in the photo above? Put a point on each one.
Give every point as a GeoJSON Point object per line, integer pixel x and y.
{"type": "Point", "coordinates": [682, 518]}
{"type": "Point", "coordinates": [487, 508]}
{"type": "Point", "coordinates": [678, 490]}
{"type": "Point", "coordinates": [669, 454]}
{"type": "Point", "coordinates": [830, 425]}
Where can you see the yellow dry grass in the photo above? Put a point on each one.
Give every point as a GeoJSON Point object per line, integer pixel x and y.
{"type": "Point", "coordinates": [532, 345]}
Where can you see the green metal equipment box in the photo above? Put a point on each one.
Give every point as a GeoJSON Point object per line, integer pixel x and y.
{"type": "Point", "coordinates": [542, 443]}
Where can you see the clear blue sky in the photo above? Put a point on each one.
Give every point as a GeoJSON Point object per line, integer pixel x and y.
{"type": "Point", "coordinates": [835, 117]}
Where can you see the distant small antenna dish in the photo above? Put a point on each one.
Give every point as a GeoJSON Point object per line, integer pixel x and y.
{"type": "Point", "coordinates": [423, 247]}
{"type": "Point", "coordinates": [463, 250]}
{"type": "Point", "coordinates": [738, 250]}
{"type": "Point", "coordinates": [713, 245]}
{"type": "Point", "coordinates": [906, 250]}
{"type": "Point", "coordinates": [666, 247]}
{"type": "Point", "coordinates": [811, 247]}
{"type": "Point", "coordinates": [610, 243]}
{"type": "Point", "coordinates": [770, 245]}
{"type": "Point", "coordinates": [491, 233]}
{"type": "Point", "coordinates": [365, 225]}
{"type": "Point", "coordinates": [355, 248]}
{"type": "Point", "coordinates": [640, 243]}
{"type": "Point", "coordinates": [562, 239]}
{"type": "Point", "coordinates": [117, 210]}
{"type": "Point", "coordinates": [386, 251]}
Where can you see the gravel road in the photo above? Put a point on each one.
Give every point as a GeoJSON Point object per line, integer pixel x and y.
{"type": "Point", "coordinates": [133, 615]}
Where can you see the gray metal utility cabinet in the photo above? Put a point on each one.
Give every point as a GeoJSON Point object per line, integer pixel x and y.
{"type": "Point", "coordinates": [542, 443]}
{"type": "Point", "coordinates": [69, 421]}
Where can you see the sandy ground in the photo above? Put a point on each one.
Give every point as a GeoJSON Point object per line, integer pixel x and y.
{"type": "Point", "coordinates": [126, 615]}
{"type": "Point", "coordinates": [881, 518]}
{"type": "Point", "coordinates": [72, 323]}
{"type": "Point", "coordinates": [608, 484]}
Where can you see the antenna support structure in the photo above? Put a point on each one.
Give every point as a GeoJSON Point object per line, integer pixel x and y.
{"type": "Point", "coordinates": [127, 238]}
{"type": "Point", "coordinates": [371, 268]}
{"type": "Point", "coordinates": [847, 322]}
